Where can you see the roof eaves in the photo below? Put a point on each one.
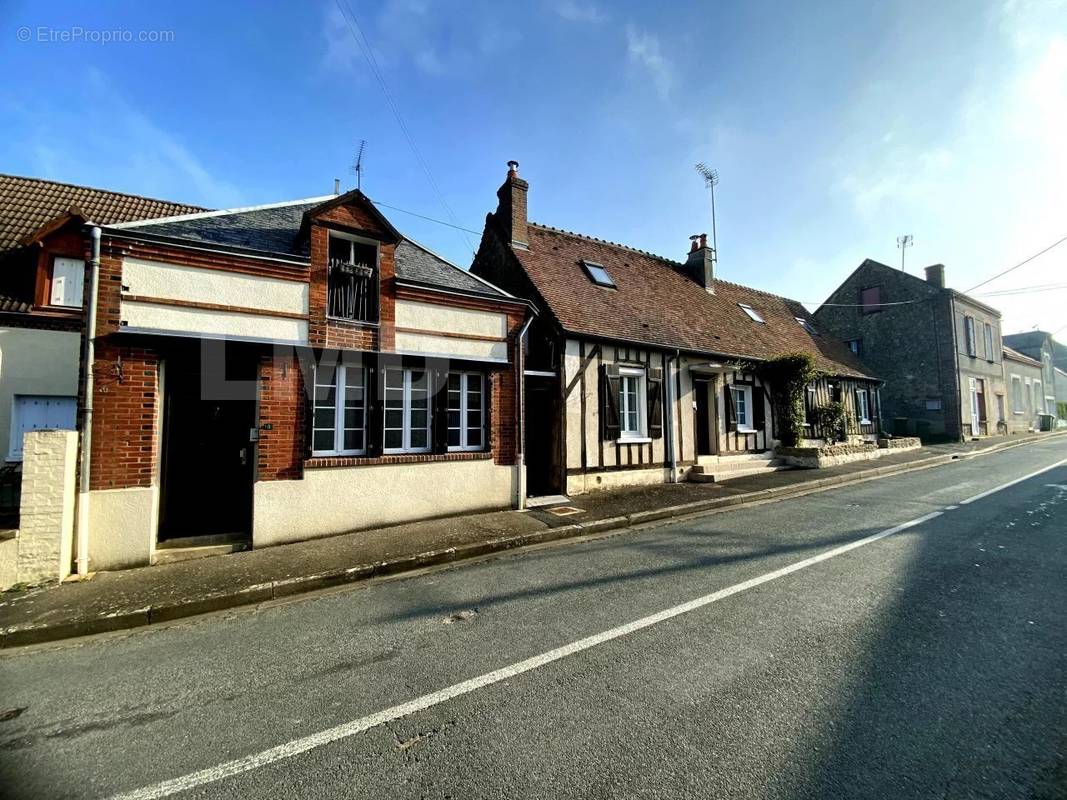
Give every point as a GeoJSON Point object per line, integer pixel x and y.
{"type": "Point", "coordinates": [208, 247]}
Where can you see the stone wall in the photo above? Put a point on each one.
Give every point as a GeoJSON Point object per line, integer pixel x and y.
{"type": "Point", "coordinates": [42, 549]}
{"type": "Point", "coordinates": [842, 453]}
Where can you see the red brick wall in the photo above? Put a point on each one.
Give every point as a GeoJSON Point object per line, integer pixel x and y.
{"type": "Point", "coordinates": [125, 448]}
{"type": "Point", "coordinates": [504, 401]}
{"type": "Point", "coordinates": [282, 406]}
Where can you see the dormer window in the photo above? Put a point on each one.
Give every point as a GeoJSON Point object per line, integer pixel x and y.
{"type": "Point", "coordinates": [752, 313]}
{"type": "Point", "coordinates": [598, 275]}
{"type": "Point", "coordinates": [352, 278]}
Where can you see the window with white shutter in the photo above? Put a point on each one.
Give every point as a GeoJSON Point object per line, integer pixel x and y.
{"type": "Point", "coordinates": [39, 413]}
{"type": "Point", "coordinates": [68, 278]}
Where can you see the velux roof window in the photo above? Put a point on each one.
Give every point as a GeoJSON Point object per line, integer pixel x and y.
{"type": "Point", "coordinates": [806, 325]}
{"type": "Point", "coordinates": [597, 274]}
{"type": "Point", "coordinates": [752, 313]}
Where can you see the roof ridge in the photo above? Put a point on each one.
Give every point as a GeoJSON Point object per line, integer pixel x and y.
{"type": "Point", "coordinates": [222, 212]}
{"type": "Point", "coordinates": [658, 257]}
{"type": "Point", "coordinates": [98, 189]}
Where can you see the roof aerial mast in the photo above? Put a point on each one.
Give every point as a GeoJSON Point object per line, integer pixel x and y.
{"type": "Point", "coordinates": [711, 180]}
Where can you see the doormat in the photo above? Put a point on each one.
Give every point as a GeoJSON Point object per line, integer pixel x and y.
{"type": "Point", "coordinates": [565, 511]}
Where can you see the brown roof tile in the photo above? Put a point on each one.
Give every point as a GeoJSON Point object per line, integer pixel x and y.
{"type": "Point", "coordinates": [27, 204]}
{"type": "Point", "coordinates": [657, 304]}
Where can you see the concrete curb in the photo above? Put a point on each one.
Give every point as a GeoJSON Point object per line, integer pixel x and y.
{"type": "Point", "coordinates": [18, 636]}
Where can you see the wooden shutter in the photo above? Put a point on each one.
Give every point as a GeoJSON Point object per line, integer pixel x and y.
{"type": "Point", "coordinates": [856, 404]}
{"type": "Point", "coordinates": [375, 408]}
{"type": "Point", "coordinates": [728, 404]}
{"type": "Point", "coordinates": [759, 412]}
{"type": "Point", "coordinates": [654, 403]}
{"type": "Point", "coordinates": [609, 401]}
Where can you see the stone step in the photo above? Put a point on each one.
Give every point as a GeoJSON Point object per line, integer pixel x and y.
{"type": "Point", "coordinates": [734, 458]}
{"type": "Point", "coordinates": [733, 466]}
{"type": "Point", "coordinates": [169, 554]}
{"type": "Point", "coordinates": [718, 476]}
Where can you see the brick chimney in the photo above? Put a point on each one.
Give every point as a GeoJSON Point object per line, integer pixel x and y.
{"type": "Point", "coordinates": [935, 275]}
{"type": "Point", "coordinates": [511, 211]}
{"type": "Point", "coordinates": [700, 266]}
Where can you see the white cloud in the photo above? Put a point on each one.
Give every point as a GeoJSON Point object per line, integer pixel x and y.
{"type": "Point", "coordinates": [574, 11]}
{"type": "Point", "coordinates": [644, 50]}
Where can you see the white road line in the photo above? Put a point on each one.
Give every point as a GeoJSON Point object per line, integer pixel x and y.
{"type": "Point", "coordinates": [238, 766]}
{"type": "Point", "coordinates": [1004, 486]}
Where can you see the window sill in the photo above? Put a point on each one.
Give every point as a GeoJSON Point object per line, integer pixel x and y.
{"type": "Point", "coordinates": [633, 440]}
{"type": "Point", "coordinates": [865, 422]}
{"type": "Point", "coordinates": [746, 430]}
{"type": "Point", "coordinates": [327, 462]}
{"type": "Point", "coordinates": [354, 322]}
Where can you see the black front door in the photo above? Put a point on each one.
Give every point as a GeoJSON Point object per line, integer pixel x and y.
{"type": "Point", "coordinates": [207, 464]}
{"type": "Point", "coordinates": [543, 468]}
{"type": "Point", "coordinates": [703, 413]}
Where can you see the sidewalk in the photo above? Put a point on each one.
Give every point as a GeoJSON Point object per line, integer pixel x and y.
{"type": "Point", "coordinates": [136, 597]}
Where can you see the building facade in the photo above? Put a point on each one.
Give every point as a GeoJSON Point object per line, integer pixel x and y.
{"type": "Point", "coordinates": [639, 368]}
{"type": "Point", "coordinates": [1043, 348]}
{"type": "Point", "coordinates": [1025, 379]}
{"type": "Point", "coordinates": [938, 350]}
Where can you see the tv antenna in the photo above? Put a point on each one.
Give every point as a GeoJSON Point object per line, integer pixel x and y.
{"type": "Point", "coordinates": [711, 180]}
{"type": "Point", "coordinates": [357, 166]}
{"type": "Point", "coordinates": [903, 243]}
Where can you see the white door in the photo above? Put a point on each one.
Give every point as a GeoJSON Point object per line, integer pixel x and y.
{"type": "Point", "coordinates": [975, 415]}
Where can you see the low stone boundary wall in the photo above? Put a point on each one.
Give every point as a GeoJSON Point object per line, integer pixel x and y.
{"type": "Point", "coordinates": [830, 455]}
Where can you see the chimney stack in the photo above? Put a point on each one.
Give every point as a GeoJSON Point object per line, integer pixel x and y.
{"type": "Point", "coordinates": [935, 275]}
{"type": "Point", "coordinates": [700, 266]}
{"type": "Point", "coordinates": [511, 210]}
{"type": "Point", "coordinates": [336, 185]}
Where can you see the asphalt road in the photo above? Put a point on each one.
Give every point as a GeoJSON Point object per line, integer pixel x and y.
{"type": "Point", "coordinates": [930, 662]}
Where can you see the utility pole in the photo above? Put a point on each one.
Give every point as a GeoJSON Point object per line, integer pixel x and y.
{"type": "Point", "coordinates": [903, 243]}
{"type": "Point", "coordinates": [711, 180]}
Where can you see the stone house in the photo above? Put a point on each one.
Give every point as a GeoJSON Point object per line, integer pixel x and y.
{"type": "Point", "coordinates": [643, 370]}
{"type": "Point", "coordinates": [938, 350]}
{"type": "Point", "coordinates": [1040, 346]}
{"type": "Point", "coordinates": [1025, 380]}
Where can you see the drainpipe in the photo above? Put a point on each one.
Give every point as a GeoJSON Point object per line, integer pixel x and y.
{"type": "Point", "coordinates": [672, 455]}
{"type": "Point", "coordinates": [520, 385]}
{"type": "Point", "coordinates": [88, 356]}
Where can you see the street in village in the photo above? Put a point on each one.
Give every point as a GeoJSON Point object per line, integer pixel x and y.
{"type": "Point", "coordinates": [902, 637]}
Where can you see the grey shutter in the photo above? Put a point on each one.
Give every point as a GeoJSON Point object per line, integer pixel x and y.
{"type": "Point", "coordinates": [731, 412]}
{"type": "Point", "coordinates": [759, 411]}
{"type": "Point", "coordinates": [609, 402]}
{"type": "Point", "coordinates": [654, 403]}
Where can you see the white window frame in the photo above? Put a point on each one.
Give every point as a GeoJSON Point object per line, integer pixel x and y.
{"type": "Point", "coordinates": [746, 395]}
{"type": "Point", "coordinates": [752, 313]}
{"type": "Point", "coordinates": [638, 377]}
{"type": "Point", "coordinates": [70, 285]}
{"type": "Point", "coordinates": [18, 402]}
{"type": "Point", "coordinates": [465, 379]}
{"type": "Point", "coordinates": [353, 238]}
{"type": "Point", "coordinates": [406, 411]}
{"type": "Point", "coordinates": [865, 413]}
{"type": "Point", "coordinates": [340, 389]}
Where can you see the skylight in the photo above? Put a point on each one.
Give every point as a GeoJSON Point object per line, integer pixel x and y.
{"type": "Point", "coordinates": [598, 274]}
{"type": "Point", "coordinates": [806, 325]}
{"type": "Point", "coordinates": [752, 313]}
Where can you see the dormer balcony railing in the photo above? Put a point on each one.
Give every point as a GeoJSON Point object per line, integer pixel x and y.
{"type": "Point", "coordinates": [352, 291]}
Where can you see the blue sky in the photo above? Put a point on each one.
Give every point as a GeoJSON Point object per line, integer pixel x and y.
{"type": "Point", "coordinates": [834, 126]}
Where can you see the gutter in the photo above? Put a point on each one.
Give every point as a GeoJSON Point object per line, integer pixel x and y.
{"type": "Point", "coordinates": [85, 459]}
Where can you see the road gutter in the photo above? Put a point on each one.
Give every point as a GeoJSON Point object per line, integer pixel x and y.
{"type": "Point", "coordinates": [17, 636]}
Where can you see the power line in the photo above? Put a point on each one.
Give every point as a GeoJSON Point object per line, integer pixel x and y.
{"type": "Point", "coordinates": [1021, 263]}
{"type": "Point", "coordinates": [428, 219]}
{"type": "Point", "coordinates": [1049, 287]}
{"type": "Point", "coordinates": [368, 54]}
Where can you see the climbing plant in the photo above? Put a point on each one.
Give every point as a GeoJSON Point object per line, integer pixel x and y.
{"type": "Point", "coordinates": [833, 420]}
{"type": "Point", "coordinates": [786, 377]}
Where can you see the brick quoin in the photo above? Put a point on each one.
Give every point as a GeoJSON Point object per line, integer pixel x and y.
{"type": "Point", "coordinates": [282, 406]}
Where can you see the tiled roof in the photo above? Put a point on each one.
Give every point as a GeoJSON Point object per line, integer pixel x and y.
{"type": "Point", "coordinates": [417, 264]}
{"type": "Point", "coordinates": [27, 204]}
{"type": "Point", "coordinates": [270, 229]}
{"type": "Point", "coordinates": [655, 303]}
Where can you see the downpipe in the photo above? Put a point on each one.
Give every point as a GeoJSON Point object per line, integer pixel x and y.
{"type": "Point", "coordinates": [88, 357]}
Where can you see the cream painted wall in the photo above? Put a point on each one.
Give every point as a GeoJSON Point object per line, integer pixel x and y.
{"type": "Point", "coordinates": [434, 317]}
{"type": "Point", "coordinates": [122, 527]}
{"type": "Point", "coordinates": [591, 482]}
{"type": "Point", "coordinates": [450, 346]}
{"type": "Point", "coordinates": [193, 321]}
{"type": "Point", "coordinates": [177, 282]}
{"type": "Point", "coordinates": [340, 499]}
{"type": "Point", "coordinates": [35, 362]}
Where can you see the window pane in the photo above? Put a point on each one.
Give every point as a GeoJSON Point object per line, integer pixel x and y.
{"type": "Point", "coordinates": [353, 417]}
{"type": "Point", "coordinates": [453, 437]}
{"type": "Point", "coordinates": [354, 378]}
{"type": "Point", "coordinates": [394, 439]}
{"type": "Point", "coordinates": [474, 437]}
{"type": "Point", "coordinates": [323, 440]}
{"type": "Point", "coordinates": [394, 378]}
{"type": "Point", "coordinates": [474, 419]}
{"type": "Point", "coordinates": [419, 438]}
{"type": "Point", "coordinates": [453, 381]}
{"type": "Point", "coordinates": [453, 418]}
{"type": "Point", "coordinates": [353, 439]}
{"type": "Point", "coordinates": [324, 417]}
{"type": "Point", "coordinates": [418, 381]}
{"type": "Point", "coordinates": [394, 418]}
{"type": "Point", "coordinates": [340, 249]}
{"type": "Point", "coordinates": [419, 419]}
